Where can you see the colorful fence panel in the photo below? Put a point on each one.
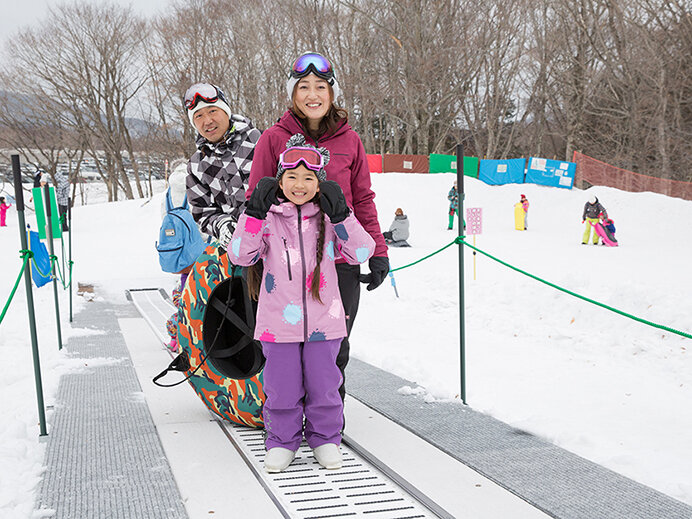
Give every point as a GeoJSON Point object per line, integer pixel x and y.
{"type": "Point", "coordinates": [599, 173]}
{"type": "Point", "coordinates": [374, 163]}
{"type": "Point", "coordinates": [498, 172]}
{"type": "Point", "coordinates": [40, 208]}
{"type": "Point", "coordinates": [405, 163]}
{"type": "Point", "coordinates": [448, 164]}
{"type": "Point", "coordinates": [546, 172]}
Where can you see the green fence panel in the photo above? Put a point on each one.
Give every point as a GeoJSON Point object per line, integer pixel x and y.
{"type": "Point", "coordinates": [40, 208]}
{"type": "Point", "coordinates": [448, 164]}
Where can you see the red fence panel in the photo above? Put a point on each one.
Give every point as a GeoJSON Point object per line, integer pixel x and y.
{"type": "Point", "coordinates": [406, 163]}
{"type": "Point", "coordinates": [374, 163]}
{"type": "Point", "coordinates": [599, 173]}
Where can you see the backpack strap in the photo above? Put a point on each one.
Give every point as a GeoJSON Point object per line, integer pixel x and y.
{"type": "Point", "coordinates": [247, 337]}
{"type": "Point", "coordinates": [169, 201]}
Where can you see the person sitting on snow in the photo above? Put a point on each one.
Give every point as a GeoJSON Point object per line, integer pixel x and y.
{"type": "Point", "coordinates": [592, 209]}
{"type": "Point", "coordinates": [398, 231]}
{"type": "Point", "coordinates": [609, 226]}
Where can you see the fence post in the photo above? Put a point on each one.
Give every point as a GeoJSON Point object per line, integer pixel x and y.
{"type": "Point", "coordinates": [19, 201]}
{"type": "Point", "coordinates": [49, 237]}
{"type": "Point", "coordinates": [69, 242]}
{"type": "Point", "coordinates": [462, 325]}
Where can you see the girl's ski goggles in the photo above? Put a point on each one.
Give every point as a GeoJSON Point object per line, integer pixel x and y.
{"type": "Point", "coordinates": [312, 62]}
{"type": "Point", "coordinates": [310, 157]}
{"type": "Point", "coordinates": [202, 92]}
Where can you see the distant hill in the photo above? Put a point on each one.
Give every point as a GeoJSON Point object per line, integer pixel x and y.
{"type": "Point", "coordinates": [20, 104]}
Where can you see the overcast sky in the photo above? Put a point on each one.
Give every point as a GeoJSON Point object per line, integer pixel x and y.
{"type": "Point", "coordinates": [21, 13]}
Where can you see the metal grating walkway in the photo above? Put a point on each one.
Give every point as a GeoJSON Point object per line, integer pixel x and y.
{"type": "Point", "coordinates": [104, 458]}
{"type": "Point", "coordinates": [363, 487]}
{"type": "Point", "coordinates": [307, 491]}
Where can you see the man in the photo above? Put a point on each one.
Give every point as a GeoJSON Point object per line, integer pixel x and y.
{"type": "Point", "coordinates": [41, 179]}
{"type": "Point", "coordinates": [218, 172]}
{"type": "Point", "coordinates": [62, 194]}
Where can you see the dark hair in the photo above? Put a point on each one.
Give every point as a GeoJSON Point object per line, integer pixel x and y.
{"type": "Point", "coordinates": [254, 272]}
{"type": "Point", "coordinates": [331, 121]}
{"type": "Point", "coordinates": [254, 280]}
{"type": "Point", "coordinates": [2, 199]}
{"type": "Point", "coordinates": [316, 273]}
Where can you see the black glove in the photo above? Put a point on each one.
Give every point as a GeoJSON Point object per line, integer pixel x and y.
{"type": "Point", "coordinates": [379, 268]}
{"type": "Point", "coordinates": [262, 198]}
{"type": "Point", "coordinates": [333, 201]}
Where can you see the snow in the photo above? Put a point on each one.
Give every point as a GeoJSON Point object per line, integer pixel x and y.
{"type": "Point", "coordinates": [599, 384]}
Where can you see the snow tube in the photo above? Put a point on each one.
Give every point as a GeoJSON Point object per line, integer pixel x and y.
{"type": "Point", "coordinates": [519, 217]}
{"type": "Point", "coordinates": [229, 381]}
{"type": "Point", "coordinates": [605, 235]}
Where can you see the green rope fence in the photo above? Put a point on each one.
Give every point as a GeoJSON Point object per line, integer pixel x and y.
{"type": "Point", "coordinates": [26, 254]}
{"type": "Point", "coordinates": [460, 241]}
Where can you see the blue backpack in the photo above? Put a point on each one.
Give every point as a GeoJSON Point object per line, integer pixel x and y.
{"type": "Point", "coordinates": [180, 242]}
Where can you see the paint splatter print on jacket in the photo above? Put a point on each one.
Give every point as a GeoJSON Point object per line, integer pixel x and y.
{"type": "Point", "coordinates": [286, 241]}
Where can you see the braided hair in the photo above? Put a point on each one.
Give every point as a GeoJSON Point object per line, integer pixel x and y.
{"type": "Point", "coordinates": [316, 273]}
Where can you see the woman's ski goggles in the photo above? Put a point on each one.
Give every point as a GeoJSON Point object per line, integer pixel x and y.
{"type": "Point", "coordinates": [312, 63]}
{"type": "Point", "coordinates": [203, 92]}
{"type": "Point", "coordinates": [310, 157]}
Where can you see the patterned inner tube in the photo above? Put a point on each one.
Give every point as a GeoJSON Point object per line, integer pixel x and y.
{"type": "Point", "coordinates": [229, 382]}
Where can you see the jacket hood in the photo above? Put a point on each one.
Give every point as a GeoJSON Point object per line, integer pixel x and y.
{"type": "Point", "coordinates": [292, 124]}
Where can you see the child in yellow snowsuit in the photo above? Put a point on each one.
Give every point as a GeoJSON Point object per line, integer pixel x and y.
{"type": "Point", "coordinates": [592, 209]}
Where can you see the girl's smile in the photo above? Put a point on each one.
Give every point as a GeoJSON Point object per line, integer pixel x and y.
{"type": "Point", "coordinates": [299, 184]}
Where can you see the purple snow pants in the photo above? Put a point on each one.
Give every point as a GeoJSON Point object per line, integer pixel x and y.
{"type": "Point", "coordinates": [301, 378]}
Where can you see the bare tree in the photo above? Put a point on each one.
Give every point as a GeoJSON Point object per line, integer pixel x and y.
{"type": "Point", "coordinates": [86, 60]}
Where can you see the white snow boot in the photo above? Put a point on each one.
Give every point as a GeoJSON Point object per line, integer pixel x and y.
{"type": "Point", "coordinates": [277, 459]}
{"type": "Point", "coordinates": [328, 455]}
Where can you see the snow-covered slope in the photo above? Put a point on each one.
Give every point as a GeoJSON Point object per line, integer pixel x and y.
{"type": "Point", "coordinates": [603, 386]}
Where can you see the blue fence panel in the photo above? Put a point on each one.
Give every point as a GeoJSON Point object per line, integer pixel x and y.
{"type": "Point", "coordinates": [497, 172]}
{"type": "Point", "coordinates": [556, 173]}
{"type": "Point", "coordinates": [41, 260]}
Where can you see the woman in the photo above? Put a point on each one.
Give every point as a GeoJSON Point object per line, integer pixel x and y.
{"type": "Point", "coordinates": [312, 89]}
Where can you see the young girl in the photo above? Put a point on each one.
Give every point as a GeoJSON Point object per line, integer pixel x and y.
{"type": "Point", "coordinates": [525, 206]}
{"type": "Point", "coordinates": [3, 211]}
{"type": "Point", "coordinates": [299, 223]}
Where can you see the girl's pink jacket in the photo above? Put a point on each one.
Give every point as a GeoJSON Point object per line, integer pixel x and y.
{"type": "Point", "coordinates": [287, 241]}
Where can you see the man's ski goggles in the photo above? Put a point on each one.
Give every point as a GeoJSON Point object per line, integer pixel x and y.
{"type": "Point", "coordinates": [202, 92]}
{"type": "Point", "coordinates": [310, 157]}
{"type": "Point", "coordinates": [312, 62]}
